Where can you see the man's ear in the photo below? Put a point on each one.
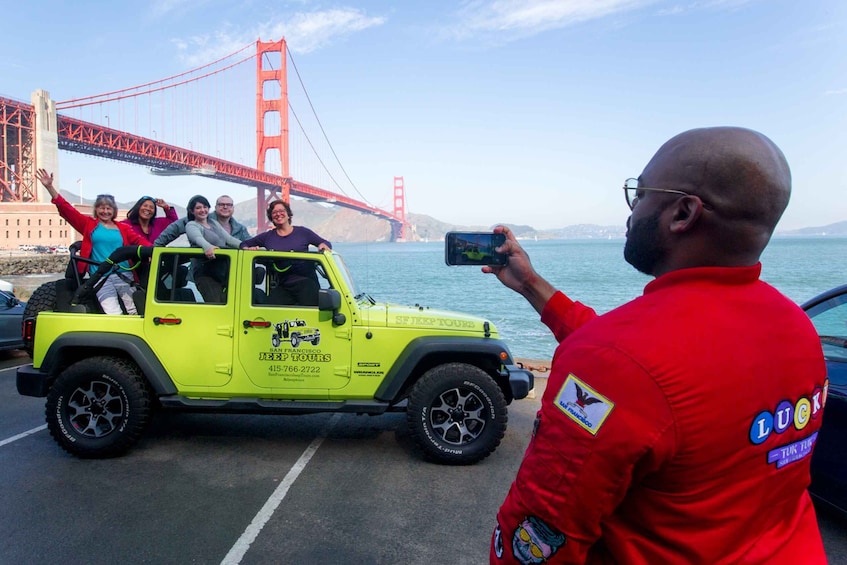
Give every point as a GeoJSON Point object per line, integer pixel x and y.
{"type": "Point", "coordinates": [686, 211]}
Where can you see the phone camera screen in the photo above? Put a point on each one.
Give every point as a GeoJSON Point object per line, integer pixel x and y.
{"type": "Point", "coordinates": [474, 248]}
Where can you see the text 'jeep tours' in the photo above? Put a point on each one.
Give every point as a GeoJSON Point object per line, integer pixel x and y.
{"type": "Point", "coordinates": [242, 336]}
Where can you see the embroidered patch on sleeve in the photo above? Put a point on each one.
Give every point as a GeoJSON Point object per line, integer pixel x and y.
{"type": "Point", "coordinates": [535, 541]}
{"type": "Point", "coordinates": [583, 404]}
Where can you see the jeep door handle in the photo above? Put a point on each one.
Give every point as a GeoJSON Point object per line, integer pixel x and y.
{"type": "Point", "coordinates": [255, 324]}
{"type": "Point", "coordinates": [167, 321]}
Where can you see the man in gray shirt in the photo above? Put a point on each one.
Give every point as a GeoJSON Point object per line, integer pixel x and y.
{"type": "Point", "coordinates": [224, 208]}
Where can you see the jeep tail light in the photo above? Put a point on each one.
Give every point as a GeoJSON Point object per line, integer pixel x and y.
{"type": "Point", "coordinates": [28, 329]}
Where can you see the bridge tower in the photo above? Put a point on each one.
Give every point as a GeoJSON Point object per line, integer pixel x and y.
{"type": "Point", "coordinates": [271, 108]}
{"type": "Point", "coordinates": [398, 229]}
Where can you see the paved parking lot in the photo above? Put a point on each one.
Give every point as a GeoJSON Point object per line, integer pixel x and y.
{"type": "Point", "coordinates": [255, 489]}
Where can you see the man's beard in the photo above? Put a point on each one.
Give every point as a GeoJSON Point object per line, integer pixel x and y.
{"type": "Point", "coordinates": [643, 249]}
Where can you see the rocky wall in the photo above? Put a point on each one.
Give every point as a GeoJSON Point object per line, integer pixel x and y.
{"type": "Point", "coordinates": [33, 264]}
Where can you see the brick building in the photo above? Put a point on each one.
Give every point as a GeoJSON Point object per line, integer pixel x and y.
{"type": "Point", "coordinates": [35, 223]}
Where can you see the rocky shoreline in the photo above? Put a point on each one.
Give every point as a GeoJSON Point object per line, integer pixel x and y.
{"type": "Point", "coordinates": [33, 264]}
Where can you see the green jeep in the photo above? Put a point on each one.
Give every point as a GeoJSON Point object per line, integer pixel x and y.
{"type": "Point", "coordinates": [236, 334]}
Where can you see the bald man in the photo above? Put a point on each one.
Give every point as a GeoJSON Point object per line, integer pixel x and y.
{"type": "Point", "coordinates": [677, 428]}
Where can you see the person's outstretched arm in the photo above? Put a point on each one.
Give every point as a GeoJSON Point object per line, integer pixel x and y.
{"type": "Point", "coordinates": [47, 182]}
{"type": "Point", "coordinates": [519, 275]}
{"type": "Point", "coordinates": [558, 312]}
{"type": "Point", "coordinates": [170, 233]}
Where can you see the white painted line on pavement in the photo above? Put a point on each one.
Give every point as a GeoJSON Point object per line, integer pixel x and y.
{"type": "Point", "coordinates": [23, 435]}
{"type": "Point", "coordinates": [252, 532]}
{"type": "Point", "coordinates": [14, 367]}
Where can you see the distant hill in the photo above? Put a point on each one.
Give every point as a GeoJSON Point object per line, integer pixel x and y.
{"type": "Point", "coordinates": [342, 224]}
{"type": "Point", "coordinates": [836, 229]}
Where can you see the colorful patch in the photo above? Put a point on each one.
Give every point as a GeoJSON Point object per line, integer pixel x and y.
{"type": "Point", "coordinates": [792, 452]}
{"type": "Point", "coordinates": [789, 414]}
{"type": "Point", "coordinates": [498, 542]}
{"type": "Point", "coordinates": [535, 541]}
{"type": "Point", "coordinates": [583, 404]}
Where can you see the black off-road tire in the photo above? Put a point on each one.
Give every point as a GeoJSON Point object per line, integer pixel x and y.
{"type": "Point", "coordinates": [295, 339]}
{"type": "Point", "coordinates": [42, 300]}
{"type": "Point", "coordinates": [457, 414]}
{"type": "Point", "coordinates": [98, 407]}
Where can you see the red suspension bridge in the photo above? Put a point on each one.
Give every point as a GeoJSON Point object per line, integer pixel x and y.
{"type": "Point", "coordinates": [204, 121]}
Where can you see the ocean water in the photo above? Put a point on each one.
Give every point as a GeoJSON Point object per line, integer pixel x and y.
{"type": "Point", "coordinates": [590, 271]}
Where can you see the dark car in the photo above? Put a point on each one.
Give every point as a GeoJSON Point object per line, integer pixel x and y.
{"type": "Point", "coordinates": [11, 315]}
{"type": "Point", "coordinates": [828, 312]}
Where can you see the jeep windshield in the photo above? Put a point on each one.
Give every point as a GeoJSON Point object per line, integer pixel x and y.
{"type": "Point", "coordinates": [345, 273]}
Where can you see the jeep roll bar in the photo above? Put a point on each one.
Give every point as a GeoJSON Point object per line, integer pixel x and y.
{"type": "Point", "coordinates": [109, 266]}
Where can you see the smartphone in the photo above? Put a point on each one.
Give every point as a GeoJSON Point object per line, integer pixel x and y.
{"type": "Point", "coordinates": [474, 248]}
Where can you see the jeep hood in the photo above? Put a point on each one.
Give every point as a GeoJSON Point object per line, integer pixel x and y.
{"type": "Point", "coordinates": [418, 317]}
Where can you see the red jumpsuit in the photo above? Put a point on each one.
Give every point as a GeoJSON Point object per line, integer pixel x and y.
{"type": "Point", "coordinates": [677, 428]}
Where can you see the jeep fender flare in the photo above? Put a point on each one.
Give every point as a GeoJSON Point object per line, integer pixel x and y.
{"type": "Point", "coordinates": [441, 349]}
{"type": "Point", "coordinates": [68, 345]}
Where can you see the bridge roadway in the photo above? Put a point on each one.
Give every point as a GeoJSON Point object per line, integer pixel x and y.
{"type": "Point", "coordinates": [191, 488]}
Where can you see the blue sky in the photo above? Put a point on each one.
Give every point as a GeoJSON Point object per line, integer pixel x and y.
{"type": "Point", "coordinates": [528, 112]}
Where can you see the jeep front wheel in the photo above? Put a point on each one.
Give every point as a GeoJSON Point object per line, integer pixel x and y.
{"type": "Point", "coordinates": [457, 414]}
{"type": "Point", "coordinates": [98, 407]}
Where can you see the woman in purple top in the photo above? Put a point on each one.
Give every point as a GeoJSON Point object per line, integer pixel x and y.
{"type": "Point", "coordinates": [297, 282]}
{"type": "Point", "coordinates": [142, 219]}
{"type": "Point", "coordinates": [284, 236]}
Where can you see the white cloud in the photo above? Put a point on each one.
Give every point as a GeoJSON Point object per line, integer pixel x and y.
{"type": "Point", "coordinates": [837, 92]}
{"type": "Point", "coordinates": [703, 5]}
{"type": "Point", "coordinates": [160, 8]}
{"type": "Point", "coordinates": [304, 32]}
{"type": "Point", "coordinates": [521, 18]}
{"type": "Point", "coordinates": [309, 31]}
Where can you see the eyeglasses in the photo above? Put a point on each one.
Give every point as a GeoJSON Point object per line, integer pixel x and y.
{"type": "Point", "coordinates": [534, 548]}
{"type": "Point", "coordinates": [104, 196]}
{"type": "Point", "coordinates": [224, 204]}
{"type": "Point", "coordinates": [634, 192]}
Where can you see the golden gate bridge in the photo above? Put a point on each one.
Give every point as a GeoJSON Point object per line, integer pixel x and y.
{"type": "Point", "coordinates": [227, 120]}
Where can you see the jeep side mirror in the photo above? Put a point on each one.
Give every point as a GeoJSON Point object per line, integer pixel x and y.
{"type": "Point", "coordinates": [330, 299]}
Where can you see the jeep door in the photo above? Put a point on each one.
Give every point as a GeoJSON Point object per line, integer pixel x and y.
{"type": "Point", "coordinates": [189, 319]}
{"type": "Point", "coordinates": [286, 343]}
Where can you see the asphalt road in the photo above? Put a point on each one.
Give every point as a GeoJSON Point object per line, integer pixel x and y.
{"type": "Point", "coordinates": [255, 489]}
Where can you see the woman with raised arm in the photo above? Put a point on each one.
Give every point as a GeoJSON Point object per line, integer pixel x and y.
{"type": "Point", "coordinates": [142, 219]}
{"type": "Point", "coordinates": [101, 235]}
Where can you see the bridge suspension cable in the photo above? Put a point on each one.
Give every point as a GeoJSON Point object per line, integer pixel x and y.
{"type": "Point", "coordinates": [136, 90]}
{"type": "Point", "coordinates": [318, 120]}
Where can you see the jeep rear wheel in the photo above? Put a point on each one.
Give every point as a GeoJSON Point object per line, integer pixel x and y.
{"type": "Point", "coordinates": [98, 407]}
{"type": "Point", "coordinates": [457, 414]}
{"type": "Point", "coordinates": [43, 299]}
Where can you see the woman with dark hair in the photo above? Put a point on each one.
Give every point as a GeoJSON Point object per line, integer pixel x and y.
{"type": "Point", "coordinates": [101, 235]}
{"type": "Point", "coordinates": [284, 236]}
{"type": "Point", "coordinates": [142, 219]}
{"type": "Point", "coordinates": [297, 282]}
{"type": "Point", "coordinates": [210, 275]}
{"type": "Point", "coordinates": [203, 233]}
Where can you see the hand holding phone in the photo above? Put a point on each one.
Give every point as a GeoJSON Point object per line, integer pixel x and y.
{"type": "Point", "coordinates": [474, 248]}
